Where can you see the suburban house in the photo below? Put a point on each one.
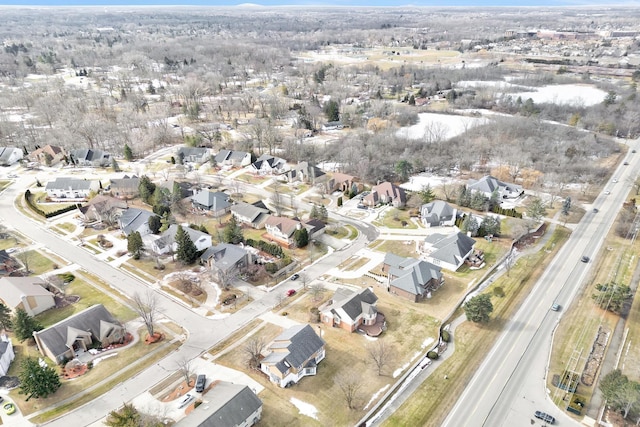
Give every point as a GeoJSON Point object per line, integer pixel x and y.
{"type": "Point", "coordinates": [194, 154]}
{"type": "Point", "coordinates": [10, 155]}
{"type": "Point", "coordinates": [215, 202]}
{"type": "Point", "coordinates": [225, 260]}
{"type": "Point", "coordinates": [167, 241]}
{"type": "Point", "coordinates": [251, 214]}
{"type": "Point", "coordinates": [88, 157]}
{"type": "Point", "coordinates": [134, 219]}
{"type": "Point", "coordinates": [438, 213]}
{"type": "Point", "coordinates": [281, 229]}
{"type": "Point", "coordinates": [184, 187]}
{"type": "Point", "coordinates": [71, 188]}
{"type": "Point", "coordinates": [125, 187]}
{"type": "Point", "coordinates": [7, 263]}
{"type": "Point", "coordinates": [351, 311]}
{"type": "Point", "coordinates": [385, 193]}
{"type": "Point", "coordinates": [76, 334]}
{"type": "Point", "coordinates": [411, 278]}
{"type": "Point", "coordinates": [27, 293]}
{"type": "Point", "coordinates": [341, 182]}
{"type": "Point", "coordinates": [6, 354]}
{"type": "Point", "coordinates": [103, 208]}
{"type": "Point", "coordinates": [314, 227]}
{"type": "Point", "coordinates": [268, 164]}
{"type": "Point", "coordinates": [48, 155]}
{"type": "Point", "coordinates": [293, 354]}
{"type": "Point", "coordinates": [233, 158]}
{"type": "Point", "coordinates": [227, 404]}
{"type": "Point", "coordinates": [448, 251]}
{"type": "Point", "coordinates": [333, 125]}
{"type": "Point", "coordinates": [304, 172]}
{"type": "Point", "coordinates": [489, 185]}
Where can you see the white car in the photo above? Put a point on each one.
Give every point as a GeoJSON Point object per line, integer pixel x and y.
{"type": "Point", "coordinates": [607, 192]}
{"type": "Point", "coordinates": [614, 180]}
{"type": "Point", "coordinates": [185, 400]}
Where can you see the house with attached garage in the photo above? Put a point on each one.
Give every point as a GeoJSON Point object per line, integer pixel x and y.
{"type": "Point", "coordinates": [282, 229]}
{"type": "Point", "coordinates": [438, 214]}
{"type": "Point", "coordinates": [194, 154]}
{"type": "Point", "coordinates": [253, 215]}
{"type": "Point", "coordinates": [215, 202]}
{"type": "Point", "coordinates": [125, 187]}
{"type": "Point", "coordinates": [49, 155]}
{"type": "Point", "coordinates": [353, 310]}
{"type": "Point", "coordinates": [78, 333]}
{"type": "Point", "coordinates": [268, 164]}
{"type": "Point", "coordinates": [226, 260]}
{"type": "Point", "coordinates": [134, 219]}
{"type": "Point", "coordinates": [26, 293]}
{"type": "Point", "coordinates": [167, 241]}
{"type": "Point", "coordinates": [385, 193]}
{"type": "Point", "coordinates": [103, 208]}
{"type": "Point", "coordinates": [10, 155]}
{"type": "Point", "coordinates": [411, 278]}
{"type": "Point", "coordinates": [233, 158]}
{"type": "Point", "coordinates": [305, 172]}
{"type": "Point", "coordinates": [489, 186]}
{"type": "Point", "coordinates": [71, 189]}
{"type": "Point", "coordinates": [293, 355]}
{"type": "Point", "coordinates": [89, 158]}
{"type": "Point", "coordinates": [447, 251]}
{"type": "Point", "coordinates": [227, 404]}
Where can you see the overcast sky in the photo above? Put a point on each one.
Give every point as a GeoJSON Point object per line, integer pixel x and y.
{"type": "Point", "coordinates": [517, 3]}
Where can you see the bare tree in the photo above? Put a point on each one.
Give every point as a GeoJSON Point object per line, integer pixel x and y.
{"type": "Point", "coordinates": [381, 353]}
{"type": "Point", "coordinates": [185, 368]}
{"type": "Point", "coordinates": [253, 350]}
{"type": "Point", "coordinates": [147, 307]}
{"type": "Point", "coordinates": [276, 197]}
{"type": "Point", "coordinates": [350, 384]}
{"type": "Point", "coordinates": [25, 259]}
{"type": "Point", "coordinates": [316, 291]}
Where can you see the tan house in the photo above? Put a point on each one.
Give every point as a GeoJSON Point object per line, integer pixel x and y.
{"type": "Point", "coordinates": [27, 293]}
{"type": "Point", "coordinates": [352, 311]}
{"type": "Point", "coordinates": [386, 193]}
{"type": "Point", "coordinates": [76, 334]}
{"type": "Point", "coordinates": [340, 182]}
{"type": "Point", "coordinates": [293, 354]}
{"type": "Point", "coordinates": [48, 155]}
{"type": "Point", "coordinates": [281, 229]}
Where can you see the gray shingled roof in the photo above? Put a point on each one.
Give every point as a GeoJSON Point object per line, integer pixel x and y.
{"type": "Point", "coordinates": [65, 183]}
{"type": "Point", "coordinates": [225, 255]}
{"type": "Point", "coordinates": [452, 248]}
{"type": "Point", "coordinates": [168, 237]}
{"type": "Point", "coordinates": [247, 210]}
{"type": "Point", "coordinates": [211, 199]}
{"type": "Point", "coordinates": [227, 405]}
{"type": "Point", "coordinates": [133, 218]}
{"type": "Point", "coordinates": [93, 320]}
{"type": "Point", "coordinates": [411, 274]}
{"type": "Point", "coordinates": [437, 211]}
{"type": "Point", "coordinates": [302, 343]}
{"type": "Point", "coordinates": [13, 288]}
{"type": "Point", "coordinates": [353, 303]}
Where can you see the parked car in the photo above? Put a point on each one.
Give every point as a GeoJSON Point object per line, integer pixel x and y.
{"type": "Point", "coordinates": [584, 258]}
{"type": "Point", "coordinates": [200, 383]}
{"type": "Point", "coordinates": [9, 408]}
{"type": "Point", "coordinates": [185, 400]}
{"type": "Point", "coordinates": [291, 292]}
{"type": "Point", "coordinates": [544, 417]}
{"type": "Point", "coordinates": [295, 276]}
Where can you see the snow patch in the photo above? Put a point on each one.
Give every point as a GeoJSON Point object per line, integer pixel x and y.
{"type": "Point", "coordinates": [398, 371]}
{"type": "Point", "coordinates": [305, 408]}
{"type": "Point", "coordinates": [100, 359]}
{"type": "Point", "coordinates": [427, 342]}
{"type": "Point", "coordinates": [439, 127]}
{"type": "Point", "coordinates": [575, 95]}
{"type": "Point", "coordinates": [375, 395]}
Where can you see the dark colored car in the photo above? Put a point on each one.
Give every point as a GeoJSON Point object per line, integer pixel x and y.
{"type": "Point", "coordinates": [595, 210]}
{"type": "Point", "coordinates": [200, 383]}
{"type": "Point", "coordinates": [295, 276]}
{"type": "Point", "coordinates": [544, 417]}
{"type": "Point", "coordinates": [584, 258]}
{"type": "Point", "coordinates": [626, 163]}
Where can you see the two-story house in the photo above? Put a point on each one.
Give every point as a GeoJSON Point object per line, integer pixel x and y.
{"type": "Point", "coordinates": [254, 214]}
{"type": "Point", "coordinates": [71, 189]}
{"type": "Point", "coordinates": [385, 193]}
{"type": "Point", "coordinates": [411, 278]}
{"type": "Point", "coordinates": [351, 310]}
{"type": "Point", "coordinates": [167, 241]}
{"type": "Point", "coordinates": [281, 229]}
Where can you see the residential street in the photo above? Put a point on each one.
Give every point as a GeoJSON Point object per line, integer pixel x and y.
{"type": "Point", "coordinates": [203, 333]}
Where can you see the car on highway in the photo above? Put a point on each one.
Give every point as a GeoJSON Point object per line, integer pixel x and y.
{"type": "Point", "coordinates": [9, 408]}
{"type": "Point", "coordinates": [614, 180]}
{"type": "Point", "coordinates": [595, 210]}
{"type": "Point", "coordinates": [584, 258]}
{"type": "Point", "coordinates": [544, 417]}
{"type": "Point", "coordinates": [295, 276]}
{"type": "Point", "coordinates": [633, 151]}
{"type": "Point", "coordinates": [626, 163]}
{"type": "Point", "coordinates": [607, 192]}
{"type": "Point", "coordinates": [555, 307]}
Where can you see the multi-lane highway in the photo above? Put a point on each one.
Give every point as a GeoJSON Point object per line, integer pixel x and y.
{"type": "Point", "coordinates": [510, 384]}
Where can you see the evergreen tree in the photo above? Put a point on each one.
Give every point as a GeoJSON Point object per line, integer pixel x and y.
{"type": "Point", "coordinates": [128, 153]}
{"type": "Point", "coordinates": [24, 325]}
{"type": "Point", "coordinates": [426, 194]}
{"type": "Point", "coordinates": [154, 224]}
{"type": "Point", "coordinates": [479, 308]}
{"type": "Point", "coordinates": [5, 317]}
{"type": "Point", "coordinates": [187, 251]}
{"type": "Point", "coordinates": [324, 214]}
{"type": "Point", "coordinates": [332, 111]}
{"type": "Point", "coordinates": [232, 232]}
{"type": "Point", "coordinates": [135, 244]}
{"type": "Point", "coordinates": [314, 212]}
{"type": "Point", "coordinates": [301, 237]}
{"type": "Point", "coordinates": [146, 188]}
{"type": "Point", "coordinates": [37, 381]}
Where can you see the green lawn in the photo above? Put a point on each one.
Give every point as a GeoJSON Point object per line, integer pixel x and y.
{"type": "Point", "coordinates": [35, 261]}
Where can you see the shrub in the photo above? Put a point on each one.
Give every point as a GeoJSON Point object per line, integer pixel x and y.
{"type": "Point", "coordinates": [340, 201]}
{"type": "Point", "coordinates": [498, 291]}
{"type": "Point", "coordinates": [446, 336]}
{"type": "Point", "coordinates": [433, 355]}
{"type": "Point", "coordinates": [271, 267]}
{"type": "Point", "coordinates": [67, 277]}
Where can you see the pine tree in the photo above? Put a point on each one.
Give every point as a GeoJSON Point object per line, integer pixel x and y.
{"type": "Point", "coordinates": [24, 325]}
{"type": "Point", "coordinates": [187, 251]}
{"type": "Point", "coordinates": [324, 215]}
{"type": "Point", "coordinates": [314, 212]}
{"type": "Point", "coordinates": [232, 232]}
{"type": "Point", "coordinates": [301, 237]}
{"type": "Point", "coordinates": [128, 153]}
{"type": "Point", "coordinates": [135, 244]}
{"type": "Point", "coordinates": [38, 381]}
{"type": "Point", "coordinates": [146, 188]}
{"type": "Point", "coordinates": [5, 317]}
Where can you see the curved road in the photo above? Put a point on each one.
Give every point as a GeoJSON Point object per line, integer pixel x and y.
{"type": "Point", "coordinates": [511, 382]}
{"type": "Point", "coordinates": [203, 333]}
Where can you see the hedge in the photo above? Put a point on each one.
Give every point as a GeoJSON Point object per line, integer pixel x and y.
{"type": "Point", "coordinates": [36, 209]}
{"type": "Point", "coordinates": [269, 248]}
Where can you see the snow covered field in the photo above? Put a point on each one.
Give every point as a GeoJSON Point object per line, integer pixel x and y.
{"type": "Point", "coordinates": [575, 95]}
{"type": "Point", "coordinates": [439, 127]}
